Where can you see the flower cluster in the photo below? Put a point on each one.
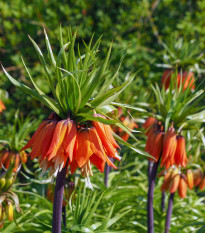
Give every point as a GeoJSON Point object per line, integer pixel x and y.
{"type": "Point", "coordinates": [59, 143]}
{"type": "Point", "coordinates": [187, 78]}
{"type": "Point", "coordinates": [175, 179]}
{"type": "Point", "coordinates": [9, 158]}
{"type": "Point", "coordinates": [170, 146]}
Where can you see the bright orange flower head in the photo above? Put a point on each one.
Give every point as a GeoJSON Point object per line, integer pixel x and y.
{"type": "Point", "coordinates": [173, 181]}
{"type": "Point", "coordinates": [180, 158]}
{"type": "Point", "coordinates": [190, 178]}
{"type": "Point", "coordinates": [60, 142]}
{"type": "Point", "coordinates": [182, 186]}
{"type": "Point", "coordinates": [187, 79]}
{"type": "Point", "coordinates": [2, 106]}
{"type": "Point", "coordinates": [53, 142]}
{"type": "Point", "coordinates": [169, 148]}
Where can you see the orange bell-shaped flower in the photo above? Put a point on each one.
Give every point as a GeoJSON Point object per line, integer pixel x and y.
{"type": "Point", "coordinates": [106, 137]}
{"type": "Point", "coordinates": [175, 178]}
{"type": "Point", "coordinates": [180, 158]}
{"type": "Point", "coordinates": [182, 186]}
{"type": "Point", "coordinates": [169, 148]}
{"type": "Point", "coordinates": [167, 180]}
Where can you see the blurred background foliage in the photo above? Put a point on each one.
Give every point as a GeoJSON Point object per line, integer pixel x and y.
{"type": "Point", "coordinates": [140, 27]}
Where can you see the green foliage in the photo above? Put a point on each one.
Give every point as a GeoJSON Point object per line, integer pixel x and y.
{"type": "Point", "coordinates": [147, 31]}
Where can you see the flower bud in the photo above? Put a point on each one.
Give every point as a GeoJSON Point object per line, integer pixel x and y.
{"type": "Point", "coordinates": [10, 212]}
{"type": "Point", "coordinates": [190, 179]}
{"type": "Point", "coordinates": [169, 148]}
{"type": "Point", "coordinates": [2, 182]}
{"type": "Point", "coordinates": [1, 208]}
{"type": "Point", "coordinates": [9, 182]}
{"type": "Point", "coordinates": [3, 214]}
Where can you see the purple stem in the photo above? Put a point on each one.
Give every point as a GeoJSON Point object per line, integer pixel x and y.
{"type": "Point", "coordinates": [149, 168]}
{"type": "Point", "coordinates": [64, 215]}
{"type": "Point", "coordinates": [58, 201]}
{"type": "Point", "coordinates": [163, 201]}
{"type": "Point", "coordinates": [107, 171]}
{"type": "Point", "coordinates": [169, 213]}
{"type": "Point", "coordinates": [150, 215]}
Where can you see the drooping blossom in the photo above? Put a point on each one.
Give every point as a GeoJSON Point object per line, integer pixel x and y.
{"type": "Point", "coordinates": [187, 79]}
{"type": "Point", "coordinates": [180, 158]}
{"type": "Point", "coordinates": [2, 106]}
{"type": "Point", "coordinates": [59, 143]}
{"type": "Point", "coordinates": [182, 190]}
{"type": "Point", "coordinates": [169, 148]}
{"type": "Point", "coordinates": [174, 181]}
{"type": "Point", "coordinates": [154, 142]}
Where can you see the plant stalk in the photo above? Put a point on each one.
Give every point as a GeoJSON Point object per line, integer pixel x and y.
{"type": "Point", "coordinates": [107, 171]}
{"type": "Point", "coordinates": [169, 213]}
{"type": "Point", "coordinates": [163, 201]}
{"type": "Point", "coordinates": [64, 215]}
{"type": "Point", "coordinates": [149, 168]}
{"type": "Point", "coordinates": [58, 200]}
{"type": "Point", "coordinates": [150, 196]}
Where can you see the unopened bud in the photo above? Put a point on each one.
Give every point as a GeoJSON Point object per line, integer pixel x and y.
{"type": "Point", "coordinates": [2, 182]}
{"type": "Point", "coordinates": [10, 212]}
{"type": "Point", "coordinates": [190, 179]}
{"type": "Point", "coordinates": [3, 214]}
{"type": "Point", "coordinates": [9, 182]}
